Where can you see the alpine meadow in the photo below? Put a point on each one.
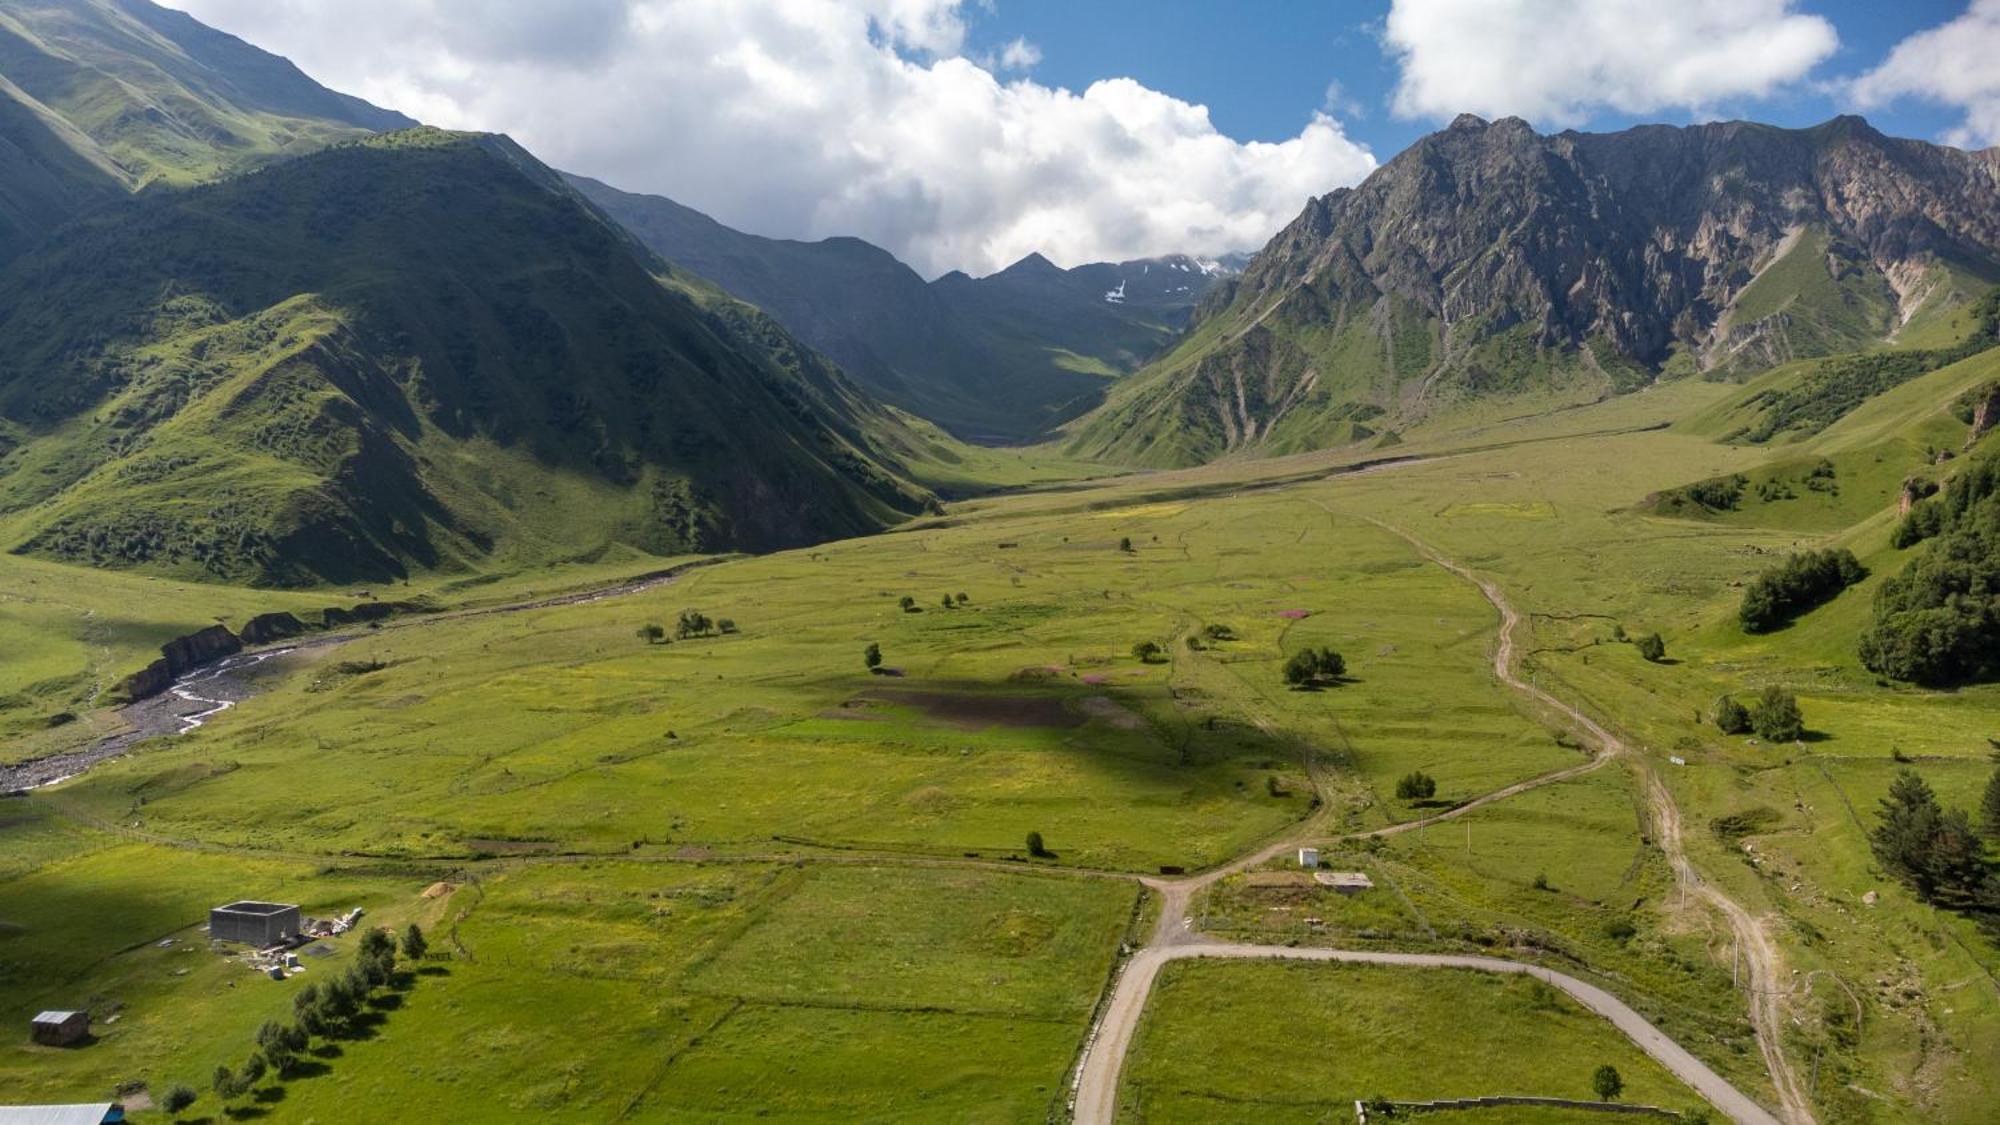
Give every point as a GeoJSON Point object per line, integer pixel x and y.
{"type": "Point", "coordinates": [979, 596]}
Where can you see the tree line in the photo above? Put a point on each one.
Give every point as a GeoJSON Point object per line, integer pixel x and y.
{"type": "Point", "coordinates": [1938, 622]}
{"type": "Point", "coordinates": [1802, 582]}
{"type": "Point", "coordinates": [1937, 852]}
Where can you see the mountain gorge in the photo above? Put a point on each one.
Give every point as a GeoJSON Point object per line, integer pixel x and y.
{"type": "Point", "coordinates": [415, 351]}
{"type": "Point", "coordinates": [1489, 262]}
{"type": "Point", "coordinates": [1002, 358]}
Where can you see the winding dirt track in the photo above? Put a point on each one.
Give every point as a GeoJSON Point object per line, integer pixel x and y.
{"type": "Point", "coordinates": [1095, 1099]}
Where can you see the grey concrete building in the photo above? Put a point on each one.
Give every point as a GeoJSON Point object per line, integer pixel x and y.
{"type": "Point", "coordinates": [261, 924]}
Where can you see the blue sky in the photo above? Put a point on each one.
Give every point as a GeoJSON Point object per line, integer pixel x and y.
{"type": "Point", "coordinates": [1262, 67]}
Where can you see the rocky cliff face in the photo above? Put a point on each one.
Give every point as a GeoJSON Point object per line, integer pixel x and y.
{"type": "Point", "coordinates": [1490, 259]}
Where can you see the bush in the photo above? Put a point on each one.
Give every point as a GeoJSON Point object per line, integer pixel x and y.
{"type": "Point", "coordinates": [1731, 717]}
{"type": "Point", "coordinates": [1607, 1082]}
{"type": "Point", "coordinates": [177, 1098]}
{"type": "Point", "coordinates": [1146, 652]}
{"type": "Point", "coordinates": [872, 656]}
{"type": "Point", "coordinates": [1035, 846]}
{"type": "Point", "coordinates": [1652, 647]}
{"type": "Point", "coordinates": [1310, 667]}
{"type": "Point", "coordinates": [1125, 544]}
{"type": "Point", "coordinates": [414, 945]}
{"type": "Point", "coordinates": [652, 634]}
{"type": "Point", "coordinates": [725, 625]}
{"type": "Point", "coordinates": [1416, 786]}
{"type": "Point", "coordinates": [1802, 582]}
{"type": "Point", "coordinates": [1775, 716]}
{"type": "Point", "coordinates": [1219, 633]}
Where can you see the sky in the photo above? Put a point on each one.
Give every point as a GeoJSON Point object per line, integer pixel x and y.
{"type": "Point", "coordinates": [965, 134]}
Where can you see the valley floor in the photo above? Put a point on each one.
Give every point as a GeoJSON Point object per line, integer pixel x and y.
{"type": "Point", "coordinates": [746, 875]}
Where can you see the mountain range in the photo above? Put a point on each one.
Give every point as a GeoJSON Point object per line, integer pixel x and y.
{"type": "Point", "coordinates": [1002, 358]}
{"type": "Point", "coordinates": [256, 330]}
{"type": "Point", "coordinates": [1489, 261]}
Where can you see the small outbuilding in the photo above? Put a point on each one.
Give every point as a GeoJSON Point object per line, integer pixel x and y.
{"type": "Point", "coordinates": [261, 924]}
{"type": "Point", "coordinates": [1308, 857]}
{"type": "Point", "coordinates": [1346, 882]}
{"type": "Point", "coordinates": [60, 1029]}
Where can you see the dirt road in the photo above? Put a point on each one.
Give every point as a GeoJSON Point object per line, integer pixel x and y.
{"type": "Point", "coordinates": [1095, 1100]}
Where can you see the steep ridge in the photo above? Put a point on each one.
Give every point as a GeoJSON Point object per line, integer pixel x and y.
{"type": "Point", "coordinates": [1000, 358]}
{"type": "Point", "coordinates": [1488, 261]}
{"type": "Point", "coordinates": [418, 351]}
{"type": "Point", "coordinates": [98, 97]}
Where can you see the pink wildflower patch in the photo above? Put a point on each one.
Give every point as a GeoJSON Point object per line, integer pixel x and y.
{"type": "Point", "coordinates": [1295, 614]}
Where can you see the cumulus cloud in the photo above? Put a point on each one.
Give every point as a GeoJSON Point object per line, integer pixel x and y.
{"type": "Point", "coordinates": [809, 118]}
{"type": "Point", "coordinates": [1019, 55]}
{"type": "Point", "coordinates": [1953, 64]}
{"type": "Point", "coordinates": [1555, 62]}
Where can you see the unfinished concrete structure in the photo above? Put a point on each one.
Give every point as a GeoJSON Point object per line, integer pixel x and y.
{"type": "Point", "coordinates": [262, 924]}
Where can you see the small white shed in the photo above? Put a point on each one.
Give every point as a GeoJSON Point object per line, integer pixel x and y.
{"type": "Point", "coordinates": [1308, 857]}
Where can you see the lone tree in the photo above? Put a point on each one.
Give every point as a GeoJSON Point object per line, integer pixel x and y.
{"type": "Point", "coordinates": [414, 945]}
{"type": "Point", "coordinates": [1125, 544]}
{"type": "Point", "coordinates": [1035, 846]}
{"type": "Point", "coordinates": [1607, 1083]}
{"type": "Point", "coordinates": [1145, 652]}
{"type": "Point", "coordinates": [177, 1098]}
{"type": "Point", "coordinates": [1416, 786]}
{"type": "Point", "coordinates": [872, 656]}
{"type": "Point", "coordinates": [1311, 667]}
{"type": "Point", "coordinates": [1731, 717]}
{"type": "Point", "coordinates": [908, 604]}
{"type": "Point", "coordinates": [652, 633]}
{"type": "Point", "coordinates": [1776, 717]}
{"type": "Point", "coordinates": [1652, 647]}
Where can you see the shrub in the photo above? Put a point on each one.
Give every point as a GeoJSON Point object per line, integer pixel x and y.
{"type": "Point", "coordinates": [693, 623]}
{"type": "Point", "coordinates": [1802, 582]}
{"type": "Point", "coordinates": [725, 625]}
{"type": "Point", "coordinates": [1652, 647]}
{"type": "Point", "coordinates": [177, 1098]}
{"type": "Point", "coordinates": [1775, 716]}
{"type": "Point", "coordinates": [414, 945]}
{"type": "Point", "coordinates": [1607, 1082]}
{"type": "Point", "coordinates": [1310, 667]}
{"type": "Point", "coordinates": [1125, 544]}
{"type": "Point", "coordinates": [908, 604]}
{"type": "Point", "coordinates": [872, 656]}
{"type": "Point", "coordinates": [1219, 633]}
{"type": "Point", "coordinates": [1146, 652]}
{"type": "Point", "coordinates": [1035, 845]}
{"type": "Point", "coordinates": [1416, 786]}
{"type": "Point", "coordinates": [652, 634]}
{"type": "Point", "coordinates": [1731, 717]}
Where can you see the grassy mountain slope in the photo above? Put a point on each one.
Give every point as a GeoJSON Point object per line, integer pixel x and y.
{"type": "Point", "coordinates": [1488, 262]}
{"type": "Point", "coordinates": [1000, 358]}
{"type": "Point", "coordinates": [418, 351]}
{"type": "Point", "coordinates": [98, 97]}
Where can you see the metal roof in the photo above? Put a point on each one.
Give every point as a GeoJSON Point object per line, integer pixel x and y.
{"type": "Point", "coordinates": [56, 1017]}
{"type": "Point", "coordinates": [92, 1113]}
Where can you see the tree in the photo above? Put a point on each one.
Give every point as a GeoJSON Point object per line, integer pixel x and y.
{"type": "Point", "coordinates": [1035, 846]}
{"type": "Point", "coordinates": [1775, 716]}
{"type": "Point", "coordinates": [1219, 633]}
{"type": "Point", "coordinates": [948, 603]}
{"type": "Point", "coordinates": [1146, 652]}
{"type": "Point", "coordinates": [652, 633]}
{"type": "Point", "coordinates": [962, 599]}
{"type": "Point", "coordinates": [1125, 544]}
{"type": "Point", "coordinates": [177, 1098]}
{"type": "Point", "coordinates": [693, 623]}
{"type": "Point", "coordinates": [414, 945]}
{"type": "Point", "coordinates": [1416, 786]}
{"type": "Point", "coordinates": [1957, 864]}
{"type": "Point", "coordinates": [223, 1082]}
{"type": "Point", "coordinates": [872, 656]}
{"type": "Point", "coordinates": [1908, 821]}
{"type": "Point", "coordinates": [274, 1041]}
{"type": "Point", "coordinates": [376, 942]}
{"type": "Point", "coordinates": [1989, 808]}
{"type": "Point", "coordinates": [1652, 647]}
{"type": "Point", "coordinates": [252, 1072]}
{"type": "Point", "coordinates": [908, 604]}
{"type": "Point", "coordinates": [1731, 717]}
{"type": "Point", "coordinates": [725, 625]}
{"type": "Point", "coordinates": [1607, 1083]}
{"type": "Point", "coordinates": [1310, 667]}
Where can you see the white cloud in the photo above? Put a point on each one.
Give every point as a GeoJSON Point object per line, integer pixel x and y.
{"type": "Point", "coordinates": [809, 118]}
{"type": "Point", "coordinates": [1953, 63]}
{"type": "Point", "coordinates": [1019, 55]}
{"type": "Point", "coordinates": [1556, 61]}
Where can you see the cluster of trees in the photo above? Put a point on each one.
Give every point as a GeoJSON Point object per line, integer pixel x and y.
{"type": "Point", "coordinates": [1311, 667]}
{"type": "Point", "coordinates": [1146, 652]}
{"type": "Point", "coordinates": [1800, 583]}
{"type": "Point", "coordinates": [954, 601]}
{"type": "Point", "coordinates": [1416, 786]}
{"type": "Point", "coordinates": [323, 1011]}
{"type": "Point", "coordinates": [1936, 852]}
{"type": "Point", "coordinates": [1938, 622]}
{"type": "Point", "coordinates": [1774, 715]}
{"type": "Point", "coordinates": [692, 623]}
